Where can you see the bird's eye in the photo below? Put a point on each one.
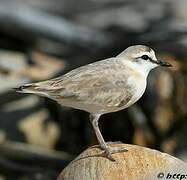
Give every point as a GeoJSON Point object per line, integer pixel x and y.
{"type": "Point", "coordinates": [145, 57]}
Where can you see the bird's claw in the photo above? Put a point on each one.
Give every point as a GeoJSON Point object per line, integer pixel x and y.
{"type": "Point", "coordinates": [112, 150]}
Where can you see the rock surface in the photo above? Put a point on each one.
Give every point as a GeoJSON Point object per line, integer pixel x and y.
{"type": "Point", "coordinates": [137, 163]}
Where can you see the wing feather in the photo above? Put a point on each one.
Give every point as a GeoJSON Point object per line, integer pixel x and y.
{"type": "Point", "coordinates": [103, 84]}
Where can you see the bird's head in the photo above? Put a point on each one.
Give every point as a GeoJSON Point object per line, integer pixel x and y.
{"type": "Point", "coordinates": [143, 57]}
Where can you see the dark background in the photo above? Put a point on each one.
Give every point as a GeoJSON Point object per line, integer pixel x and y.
{"type": "Point", "coordinates": [42, 39]}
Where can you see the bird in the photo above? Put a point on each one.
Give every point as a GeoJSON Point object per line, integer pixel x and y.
{"type": "Point", "coordinates": [102, 87]}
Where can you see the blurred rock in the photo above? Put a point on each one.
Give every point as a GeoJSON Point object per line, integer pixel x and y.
{"type": "Point", "coordinates": [44, 67]}
{"type": "Point", "coordinates": [131, 16]}
{"type": "Point", "coordinates": [36, 130]}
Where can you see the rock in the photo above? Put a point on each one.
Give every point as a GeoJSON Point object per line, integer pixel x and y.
{"type": "Point", "coordinates": [137, 163]}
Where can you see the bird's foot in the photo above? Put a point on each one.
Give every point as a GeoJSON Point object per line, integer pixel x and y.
{"type": "Point", "coordinates": [107, 143]}
{"type": "Point", "coordinates": [113, 142]}
{"type": "Point", "coordinates": [112, 150]}
{"type": "Point", "coordinates": [108, 154]}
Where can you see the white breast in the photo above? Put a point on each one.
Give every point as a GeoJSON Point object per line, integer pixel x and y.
{"type": "Point", "coordinates": [139, 82]}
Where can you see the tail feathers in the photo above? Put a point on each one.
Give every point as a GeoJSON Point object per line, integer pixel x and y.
{"type": "Point", "coordinates": [31, 88]}
{"type": "Point", "coordinates": [24, 88]}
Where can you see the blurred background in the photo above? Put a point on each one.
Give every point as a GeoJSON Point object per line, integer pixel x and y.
{"type": "Point", "coordinates": [42, 39]}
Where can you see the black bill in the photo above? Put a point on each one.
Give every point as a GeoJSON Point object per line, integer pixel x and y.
{"type": "Point", "coordinates": [161, 63]}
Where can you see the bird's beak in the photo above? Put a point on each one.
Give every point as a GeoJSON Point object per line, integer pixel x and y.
{"type": "Point", "coordinates": [163, 63]}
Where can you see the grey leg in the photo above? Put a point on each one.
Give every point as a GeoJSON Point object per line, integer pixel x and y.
{"type": "Point", "coordinates": [94, 120]}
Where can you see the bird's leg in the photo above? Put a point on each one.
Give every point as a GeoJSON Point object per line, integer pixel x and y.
{"type": "Point", "coordinates": [94, 120]}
